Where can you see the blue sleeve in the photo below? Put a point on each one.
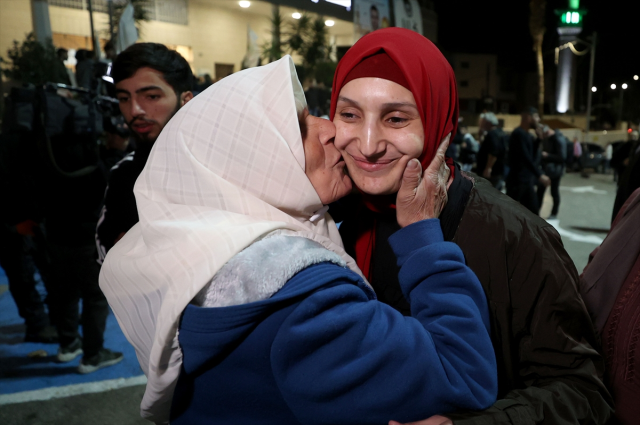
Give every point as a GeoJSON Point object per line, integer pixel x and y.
{"type": "Point", "coordinates": [341, 357]}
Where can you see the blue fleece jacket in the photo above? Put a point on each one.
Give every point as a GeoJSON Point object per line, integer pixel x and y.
{"type": "Point", "coordinates": [323, 350]}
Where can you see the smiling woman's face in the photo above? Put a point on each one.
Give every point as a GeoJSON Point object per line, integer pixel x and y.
{"type": "Point", "coordinates": [323, 163]}
{"type": "Point", "coordinates": [378, 131]}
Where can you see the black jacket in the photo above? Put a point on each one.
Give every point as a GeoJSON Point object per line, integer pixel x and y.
{"type": "Point", "coordinates": [119, 212]}
{"type": "Point", "coordinates": [548, 369]}
{"type": "Point", "coordinates": [522, 158]}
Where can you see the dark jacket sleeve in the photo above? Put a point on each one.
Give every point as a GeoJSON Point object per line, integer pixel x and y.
{"type": "Point", "coordinates": [341, 357]}
{"type": "Point", "coordinates": [114, 218]}
{"type": "Point", "coordinates": [552, 338]}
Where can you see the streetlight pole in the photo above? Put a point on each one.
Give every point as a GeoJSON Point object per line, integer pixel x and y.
{"type": "Point", "coordinates": [589, 91]}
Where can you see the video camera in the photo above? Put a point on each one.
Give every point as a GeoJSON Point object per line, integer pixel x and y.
{"type": "Point", "coordinates": [51, 132]}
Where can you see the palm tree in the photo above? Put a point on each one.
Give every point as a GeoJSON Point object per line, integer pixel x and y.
{"type": "Point", "coordinates": [537, 29]}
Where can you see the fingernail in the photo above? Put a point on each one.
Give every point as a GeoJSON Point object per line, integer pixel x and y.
{"type": "Point", "coordinates": [413, 164]}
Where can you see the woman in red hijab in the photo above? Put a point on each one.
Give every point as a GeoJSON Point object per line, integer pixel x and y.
{"type": "Point", "coordinates": [394, 98]}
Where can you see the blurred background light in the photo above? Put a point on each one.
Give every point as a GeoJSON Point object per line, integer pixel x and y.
{"type": "Point", "coordinates": [244, 4]}
{"type": "Point", "coordinates": [329, 23]}
{"type": "Point", "coordinates": [296, 15]}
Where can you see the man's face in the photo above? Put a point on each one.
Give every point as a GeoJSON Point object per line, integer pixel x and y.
{"type": "Point", "coordinates": [375, 19]}
{"type": "Point", "coordinates": [148, 102]}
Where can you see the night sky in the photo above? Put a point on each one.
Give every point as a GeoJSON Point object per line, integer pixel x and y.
{"type": "Point", "coordinates": [502, 27]}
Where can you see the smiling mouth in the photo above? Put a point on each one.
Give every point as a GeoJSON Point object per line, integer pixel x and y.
{"type": "Point", "coordinates": [373, 166]}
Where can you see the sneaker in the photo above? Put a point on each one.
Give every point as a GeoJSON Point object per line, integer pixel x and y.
{"type": "Point", "coordinates": [70, 352]}
{"type": "Point", "coordinates": [47, 335]}
{"type": "Point", "coordinates": [104, 358]}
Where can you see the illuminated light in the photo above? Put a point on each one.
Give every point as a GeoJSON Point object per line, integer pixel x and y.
{"type": "Point", "coordinates": [629, 130]}
{"type": "Point", "coordinates": [624, 86]}
{"type": "Point", "coordinates": [613, 86]}
{"type": "Point", "coordinates": [244, 4]}
{"type": "Point", "coordinates": [635, 77]}
{"type": "Point", "coordinates": [594, 89]}
{"type": "Point", "coordinates": [567, 18]}
{"type": "Point", "coordinates": [329, 23]}
{"type": "Point", "coordinates": [296, 15]}
{"type": "Point", "coordinates": [575, 17]}
{"type": "Point", "coordinates": [574, 4]}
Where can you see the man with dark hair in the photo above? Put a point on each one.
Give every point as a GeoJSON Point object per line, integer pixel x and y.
{"type": "Point", "coordinates": [62, 75]}
{"type": "Point", "coordinates": [525, 172]}
{"type": "Point", "coordinates": [152, 83]}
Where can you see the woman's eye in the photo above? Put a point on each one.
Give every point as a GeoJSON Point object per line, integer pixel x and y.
{"type": "Point", "coordinates": [397, 120]}
{"type": "Point", "coordinates": [347, 115]}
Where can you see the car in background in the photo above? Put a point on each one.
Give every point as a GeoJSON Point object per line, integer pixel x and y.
{"type": "Point", "coordinates": [593, 156]}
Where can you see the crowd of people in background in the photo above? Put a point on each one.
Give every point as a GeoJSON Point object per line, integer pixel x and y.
{"type": "Point", "coordinates": [69, 238]}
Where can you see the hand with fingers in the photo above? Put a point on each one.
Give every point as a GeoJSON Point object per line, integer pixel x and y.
{"type": "Point", "coordinates": [423, 195]}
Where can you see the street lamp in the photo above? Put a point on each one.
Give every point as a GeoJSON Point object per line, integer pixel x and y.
{"type": "Point", "coordinates": [613, 86]}
{"type": "Point", "coordinates": [624, 86]}
{"type": "Point", "coordinates": [635, 77]}
{"type": "Point", "coordinates": [594, 89]}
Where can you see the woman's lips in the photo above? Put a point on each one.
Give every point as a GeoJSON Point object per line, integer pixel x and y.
{"type": "Point", "coordinates": [373, 166]}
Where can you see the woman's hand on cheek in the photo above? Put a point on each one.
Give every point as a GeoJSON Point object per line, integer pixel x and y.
{"type": "Point", "coordinates": [423, 196]}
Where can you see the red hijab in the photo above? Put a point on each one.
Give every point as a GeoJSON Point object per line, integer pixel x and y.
{"type": "Point", "coordinates": [428, 75]}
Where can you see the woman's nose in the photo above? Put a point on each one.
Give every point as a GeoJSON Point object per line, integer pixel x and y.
{"type": "Point", "coordinates": [371, 143]}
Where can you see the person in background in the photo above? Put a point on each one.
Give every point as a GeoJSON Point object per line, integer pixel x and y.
{"type": "Point", "coordinates": [62, 74]}
{"type": "Point", "coordinates": [384, 98]}
{"type": "Point", "coordinates": [17, 257]}
{"type": "Point", "coordinates": [610, 287]}
{"type": "Point", "coordinates": [554, 148]}
{"type": "Point", "coordinates": [627, 158]}
{"type": "Point", "coordinates": [469, 146]}
{"type": "Point", "coordinates": [524, 172]}
{"type": "Point", "coordinates": [152, 84]}
{"type": "Point", "coordinates": [84, 68]}
{"type": "Point", "coordinates": [493, 152]}
{"type": "Point", "coordinates": [608, 154]}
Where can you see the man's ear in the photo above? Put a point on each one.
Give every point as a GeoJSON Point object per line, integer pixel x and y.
{"type": "Point", "coordinates": [185, 97]}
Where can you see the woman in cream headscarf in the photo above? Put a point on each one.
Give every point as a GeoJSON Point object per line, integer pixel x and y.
{"type": "Point", "coordinates": [236, 251]}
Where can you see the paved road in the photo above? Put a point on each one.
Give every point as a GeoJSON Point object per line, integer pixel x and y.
{"type": "Point", "coordinates": [583, 220]}
{"type": "Point", "coordinates": [584, 217]}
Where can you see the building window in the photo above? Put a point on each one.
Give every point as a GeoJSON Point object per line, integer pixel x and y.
{"type": "Point", "coordinates": [172, 11]}
{"type": "Point", "coordinates": [464, 65]}
{"type": "Point", "coordinates": [464, 83]}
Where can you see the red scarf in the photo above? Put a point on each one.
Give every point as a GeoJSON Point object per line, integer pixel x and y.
{"type": "Point", "coordinates": [428, 75]}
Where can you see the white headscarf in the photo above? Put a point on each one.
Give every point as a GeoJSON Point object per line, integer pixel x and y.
{"type": "Point", "coordinates": [227, 170]}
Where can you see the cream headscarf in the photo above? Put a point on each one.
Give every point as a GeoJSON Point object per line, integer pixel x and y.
{"type": "Point", "coordinates": [227, 170]}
